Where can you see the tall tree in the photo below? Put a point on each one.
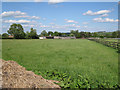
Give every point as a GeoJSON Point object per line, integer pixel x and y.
{"type": "Point", "coordinates": [115, 34]}
{"type": "Point", "coordinates": [82, 34]}
{"type": "Point", "coordinates": [88, 34]}
{"type": "Point", "coordinates": [27, 36]}
{"type": "Point", "coordinates": [56, 33]}
{"type": "Point", "coordinates": [50, 33]}
{"type": "Point", "coordinates": [44, 33]}
{"type": "Point", "coordinates": [0, 36]}
{"type": "Point", "coordinates": [33, 34]}
{"type": "Point", "coordinates": [95, 34]}
{"type": "Point", "coordinates": [77, 34]}
{"type": "Point", "coordinates": [17, 31]}
{"type": "Point", "coordinates": [5, 35]}
{"type": "Point", "coordinates": [72, 32]}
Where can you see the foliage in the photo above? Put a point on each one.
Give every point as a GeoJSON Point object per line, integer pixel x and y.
{"type": "Point", "coordinates": [5, 35]}
{"type": "Point", "coordinates": [0, 36]}
{"type": "Point", "coordinates": [33, 34]}
{"type": "Point", "coordinates": [17, 31]}
{"type": "Point", "coordinates": [56, 33]}
{"type": "Point", "coordinates": [50, 33]}
{"type": "Point", "coordinates": [66, 81]}
{"type": "Point", "coordinates": [44, 33]}
{"type": "Point", "coordinates": [27, 36]}
{"type": "Point", "coordinates": [114, 35]}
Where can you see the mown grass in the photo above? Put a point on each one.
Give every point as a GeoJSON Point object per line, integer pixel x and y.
{"type": "Point", "coordinates": [73, 57]}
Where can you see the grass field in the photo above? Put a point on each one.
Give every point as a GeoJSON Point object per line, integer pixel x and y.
{"type": "Point", "coordinates": [73, 57]}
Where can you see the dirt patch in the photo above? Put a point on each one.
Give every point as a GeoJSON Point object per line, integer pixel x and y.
{"type": "Point", "coordinates": [16, 76]}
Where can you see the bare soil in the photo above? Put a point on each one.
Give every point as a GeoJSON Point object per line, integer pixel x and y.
{"type": "Point", "coordinates": [16, 76]}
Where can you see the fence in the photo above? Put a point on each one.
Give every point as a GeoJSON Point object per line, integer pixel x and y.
{"type": "Point", "coordinates": [115, 45]}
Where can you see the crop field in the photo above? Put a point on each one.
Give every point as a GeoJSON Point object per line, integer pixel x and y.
{"type": "Point", "coordinates": [73, 58]}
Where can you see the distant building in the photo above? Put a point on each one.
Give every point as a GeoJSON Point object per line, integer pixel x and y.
{"type": "Point", "coordinates": [42, 37]}
{"type": "Point", "coordinates": [11, 36]}
{"type": "Point", "coordinates": [67, 37]}
{"type": "Point", "coordinates": [56, 37]}
{"type": "Point", "coordinates": [49, 37]}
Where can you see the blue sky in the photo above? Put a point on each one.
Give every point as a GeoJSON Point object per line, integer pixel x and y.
{"type": "Point", "coordinates": [62, 17]}
{"type": "Point", "coordinates": [60, 0]}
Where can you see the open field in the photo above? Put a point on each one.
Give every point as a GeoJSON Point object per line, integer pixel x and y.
{"type": "Point", "coordinates": [73, 57]}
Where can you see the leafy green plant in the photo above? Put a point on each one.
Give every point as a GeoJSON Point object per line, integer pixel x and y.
{"type": "Point", "coordinates": [79, 82]}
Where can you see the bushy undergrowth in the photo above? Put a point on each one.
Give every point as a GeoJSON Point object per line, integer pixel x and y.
{"type": "Point", "coordinates": [66, 81]}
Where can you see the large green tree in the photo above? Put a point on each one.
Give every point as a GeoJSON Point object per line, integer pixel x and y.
{"type": "Point", "coordinates": [0, 36]}
{"type": "Point", "coordinates": [72, 32]}
{"type": "Point", "coordinates": [28, 35]}
{"type": "Point", "coordinates": [56, 33]}
{"type": "Point", "coordinates": [82, 34]}
{"type": "Point", "coordinates": [50, 33]}
{"type": "Point", "coordinates": [5, 35]}
{"type": "Point", "coordinates": [114, 34]}
{"type": "Point", "coordinates": [44, 33]}
{"type": "Point", "coordinates": [33, 33]}
{"type": "Point", "coordinates": [17, 31]}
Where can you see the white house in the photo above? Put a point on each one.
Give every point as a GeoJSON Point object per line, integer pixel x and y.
{"type": "Point", "coordinates": [42, 37]}
{"type": "Point", "coordinates": [56, 37]}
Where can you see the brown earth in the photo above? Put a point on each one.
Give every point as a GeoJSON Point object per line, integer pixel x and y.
{"type": "Point", "coordinates": [16, 76]}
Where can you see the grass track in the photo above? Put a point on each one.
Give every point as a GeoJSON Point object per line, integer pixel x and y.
{"type": "Point", "coordinates": [71, 56]}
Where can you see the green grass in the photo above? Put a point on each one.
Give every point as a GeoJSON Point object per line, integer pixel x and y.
{"type": "Point", "coordinates": [73, 57]}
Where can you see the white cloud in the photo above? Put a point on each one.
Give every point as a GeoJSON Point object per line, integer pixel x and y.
{"type": "Point", "coordinates": [89, 12]}
{"type": "Point", "coordinates": [85, 22]}
{"type": "Point", "coordinates": [85, 26]}
{"type": "Point", "coordinates": [55, 26]}
{"type": "Point", "coordinates": [52, 23]}
{"type": "Point", "coordinates": [71, 26]}
{"type": "Point", "coordinates": [44, 18]}
{"type": "Point", "coordinates": [34, 17]}
{"type": "Point", "coordinates": [28, 25]}
{"type": "Point", "coordinates": [105, 20]}
{"type": "Point", "coordinates": [11, 0]}
{"type": "Point", "coordinates": [15, 21]}
{"type": "Point", "coordinates": [21, 16]}
{"type": "Point", "coordinates": [44, 26]}
{"type": "Point", "coordinates": [56, 1]}
{"type": "Point", "coordinates": [70, 21]}
{"type": "Point", "coordinates": [18, 14]}
{"type": "Point", "coordinates": [12, 13]}
{"type": "Point", "coordinates": [104, 15]}
{"type": "Point", "coordinates": [38, 0]}
{"type": "Point", "coordinates": [29, 17]}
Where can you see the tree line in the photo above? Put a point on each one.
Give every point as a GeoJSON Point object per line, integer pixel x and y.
{"type": "Point", "coordinates": [17, 31]}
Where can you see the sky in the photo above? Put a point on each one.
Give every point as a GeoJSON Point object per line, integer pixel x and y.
{"type": "Point", "coordinates": [54, 1]}
{"type": "Point", "coordinates": [61, 16]}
